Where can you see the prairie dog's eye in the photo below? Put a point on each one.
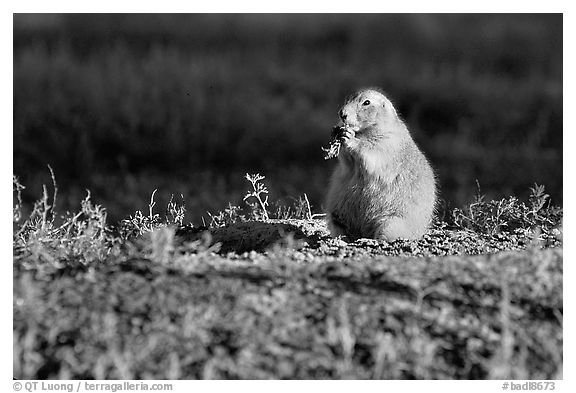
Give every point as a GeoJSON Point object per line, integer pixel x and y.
{"type": "Point", "coordinates": [367, 102]}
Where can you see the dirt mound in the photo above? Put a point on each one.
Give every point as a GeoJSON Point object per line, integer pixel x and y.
{"type": "Point", "coordinates": [262, 235]}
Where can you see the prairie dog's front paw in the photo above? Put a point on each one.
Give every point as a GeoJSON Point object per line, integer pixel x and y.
{"type": "Point", "coordinates": [348, 139]}
{"type": "Point", "coordinates": [347, 135]}
{"type": "Point", "coordinates": [343, 133]}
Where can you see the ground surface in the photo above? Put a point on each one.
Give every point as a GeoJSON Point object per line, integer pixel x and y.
{"type": "Point", "coordinates": [281, 299]}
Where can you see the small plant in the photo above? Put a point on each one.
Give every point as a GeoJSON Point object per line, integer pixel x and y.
{"type": "Point", "coordinates": [258, 191]}
{"type": "Point", "coordinates": [82, 237]}
{"type": "Point", "coordinates": [228, 216]}
{"type": "Point", "coordinates": [259, 207]}
{"type": "Point", "coordinates": [41, 219]}
{"type": "Point", "coordinates": [284, 211]}
{"type": "Point", "coordinates": [85, 235]}
{"type": "Point", "coordinates": [332, 150]}
{"type": "Point", "coordinates": [508, 213]}
{"type": "Point", "coordinates": [176, 212]}
{"type": "Point", "coordinates": [300, 209]}
{"type": "Point", "coordinates": [17, 206]}
{"type": "Point", "coordinates": [537, 199]}
{"type": "Point", "coordinates": [138, 224]}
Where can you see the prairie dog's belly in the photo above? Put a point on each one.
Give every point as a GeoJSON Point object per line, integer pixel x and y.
{"type": "Point", "coordinates": [360, 204]}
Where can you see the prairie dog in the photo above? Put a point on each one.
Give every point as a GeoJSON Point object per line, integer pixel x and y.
{"type": "Point", "coordinates": [382, 187]}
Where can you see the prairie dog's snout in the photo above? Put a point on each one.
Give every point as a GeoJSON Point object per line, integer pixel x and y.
{"type": "Point", "coordinates": [344, 113]}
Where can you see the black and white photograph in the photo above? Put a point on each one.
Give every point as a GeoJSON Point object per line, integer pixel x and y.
{"type": "Point", "coordinates": [287, 196]}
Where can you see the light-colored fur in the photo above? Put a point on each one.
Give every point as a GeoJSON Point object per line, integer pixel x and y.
{"type": "Point", "coordinates": [383, 187]}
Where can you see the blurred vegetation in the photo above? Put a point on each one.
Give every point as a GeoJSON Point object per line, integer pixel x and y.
{"type": "Point", "coordinates": [125, 104]}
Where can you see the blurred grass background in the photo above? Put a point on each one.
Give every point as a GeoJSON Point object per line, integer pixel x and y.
{"type": "Point", "coordinates": [124, 104]}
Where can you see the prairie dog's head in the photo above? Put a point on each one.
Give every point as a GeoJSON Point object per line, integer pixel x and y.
{"type": "Point", "coordinates": [367, 109]}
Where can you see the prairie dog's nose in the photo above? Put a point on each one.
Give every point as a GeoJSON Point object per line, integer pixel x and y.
{"type": "Point", "coordinates": [342, 114]}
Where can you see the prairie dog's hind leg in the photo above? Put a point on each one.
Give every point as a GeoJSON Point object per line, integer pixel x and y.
{"type": "Point", "coordinates": [394, 228]}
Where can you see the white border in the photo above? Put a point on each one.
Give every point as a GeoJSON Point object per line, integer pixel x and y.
{"type": "Point", "coordinates": [301, 6]}
{"type": "Point", "coordinates": [293, 6]}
